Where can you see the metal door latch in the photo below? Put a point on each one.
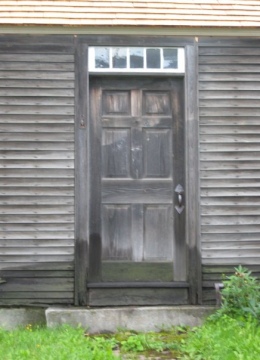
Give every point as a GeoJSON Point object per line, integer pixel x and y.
{"type": "Point", "coordinates": [180, 191]}
{"type": "Point", "coordinates": [82, 124]}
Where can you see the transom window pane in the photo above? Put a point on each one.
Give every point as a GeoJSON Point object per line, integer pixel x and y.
{"type": "Point", "coordinates": [101, 57]}
{"type": "Point", "coordinates": [153, 58]}
{"type": "Point", "coordinates": [119, 58]}
{"type": "Point", "coordinates": [136, 59]}
{"type": "Point", "coordinates": [170, 58]}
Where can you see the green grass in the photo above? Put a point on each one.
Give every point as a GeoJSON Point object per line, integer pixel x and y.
{"type": "Point", "coordinates": [224, 338]}
{"type": "Point", "coordinates": [64, 343]}
{"type": "Point", "coordinates": [166, 343]}
{"type": "Point", "coordinates": [67, 343]}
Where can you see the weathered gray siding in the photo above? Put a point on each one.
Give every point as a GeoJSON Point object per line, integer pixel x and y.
{"type": "Point", "coordinates": [229, 100]}
{"type": "Point", "coordinates": [37, 165]}
{"type": "Point", "coordinates": [36, 176]}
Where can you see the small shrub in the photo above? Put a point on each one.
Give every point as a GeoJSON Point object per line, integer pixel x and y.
{"type": "Point", "coordinates": [240, 295]}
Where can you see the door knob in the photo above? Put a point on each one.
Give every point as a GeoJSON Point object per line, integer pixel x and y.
{"type": "Point", "coordinates": [179, 191]}
{"type": "Point", "coordinates": [180, 199]}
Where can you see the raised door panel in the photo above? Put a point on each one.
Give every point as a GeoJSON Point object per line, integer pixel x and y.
{"type": "Point", "coordinates": [158, 234]}
{"type": "Point", "coordinates": [156, 103]}
{"type": "Point", "coordinates": [116, 232]}
{"type": "Point", "coordinates": [116, 153]}
{"type": "Point", "coordinates": [157, 153]}
{"type": "Point", "coordinates": [116, 102]}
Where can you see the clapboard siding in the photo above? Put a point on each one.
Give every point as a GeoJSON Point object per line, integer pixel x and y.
{"type": "Point", "coordinates": [229, 93]}
{"type": "Point", "coordinates": [213, 274]}
{"type": "Point", "coordinates": [36, 178]}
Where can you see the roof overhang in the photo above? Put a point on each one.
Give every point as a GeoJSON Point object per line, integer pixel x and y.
{"type": "Point", "coordinates": [131, 30]}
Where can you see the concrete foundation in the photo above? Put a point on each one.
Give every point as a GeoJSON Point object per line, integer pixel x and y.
{"type": "Point", "coordinates": [132, 318]}
{"type": "Point", "coordinates": [99, 320]}
{"type": "Point", "coordinates": [12, 318]}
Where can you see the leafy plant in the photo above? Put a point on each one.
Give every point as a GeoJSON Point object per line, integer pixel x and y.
{"type": "Point", "coordinates": [135, 343]}
{"type": "Point", "coordinates": [253, 308]}
{"type": "Point", "coordinates": [143, 342]}
{"type": "Point", "coordinates": [165, 343]}
{"type": "Point", "coordinates": [240, 295]}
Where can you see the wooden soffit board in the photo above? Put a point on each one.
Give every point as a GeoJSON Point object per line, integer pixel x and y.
{"type": "Point", "coordinates": [166, 13]}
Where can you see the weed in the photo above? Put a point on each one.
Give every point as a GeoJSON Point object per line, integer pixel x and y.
{"type": "Point", "coordinates": [165, 344]}
{"type": "Point", "coordinates": [134, 343]}
{"type": "Point", "coordinates": [233, 332]}
{"type": "Point", "coordinates": [240, 295]}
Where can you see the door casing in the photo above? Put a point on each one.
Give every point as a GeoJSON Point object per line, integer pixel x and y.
{"type": "Point", "coordinates": [82, 147]}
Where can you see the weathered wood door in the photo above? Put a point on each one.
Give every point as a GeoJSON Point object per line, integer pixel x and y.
{"type": "Point", "coordinates": [137, 251]}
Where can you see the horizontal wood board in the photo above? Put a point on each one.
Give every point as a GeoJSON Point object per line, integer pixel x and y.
{"type": "Point", "coordinates": [36, 177]}
{"type": "Point", "coordinates": [140, 297]}
{"type": "Point", "coordinates": [229, 108]}
{"type": "Point", "coordinates": [228, 13]}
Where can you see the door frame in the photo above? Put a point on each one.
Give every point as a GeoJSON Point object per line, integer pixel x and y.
{"type": "Point", "coordinates": [82, 149]}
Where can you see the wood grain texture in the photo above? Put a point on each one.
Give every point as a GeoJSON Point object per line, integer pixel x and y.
{"type": "Point", "coordinates": [37, 177]}
{"type": "Point", "coordinates": [134, 13]}
{"type": "Point", "coordinates": [81, 174]}
{"type": "Point", "coordinates": [136, 160]}
{"type": "Point", "coordinates": [193, 236]}
{"type": "Point", "coordinates": [229, 155]}
{"type": "Point", "coordinates": [127, 271]}
{"type": "Point", "coordinates": [123, 297]}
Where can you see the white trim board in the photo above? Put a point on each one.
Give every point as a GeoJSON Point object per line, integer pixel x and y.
{"type": "Point", "coordinates": [127, 30]}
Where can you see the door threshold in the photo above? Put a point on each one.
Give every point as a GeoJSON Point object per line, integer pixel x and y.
{"type": "Point", "coordinates": [157, 284]}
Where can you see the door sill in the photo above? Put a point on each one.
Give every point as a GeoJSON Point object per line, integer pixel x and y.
{"type": "Point", "coordinates": [117, 285]}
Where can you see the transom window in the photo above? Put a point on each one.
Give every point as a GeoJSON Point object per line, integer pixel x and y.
{"type": "Point", "coordinates": [136, 59]}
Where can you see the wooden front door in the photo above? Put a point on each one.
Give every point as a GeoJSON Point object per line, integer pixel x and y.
{"type": "Point", "coordinates": [137, 251]}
